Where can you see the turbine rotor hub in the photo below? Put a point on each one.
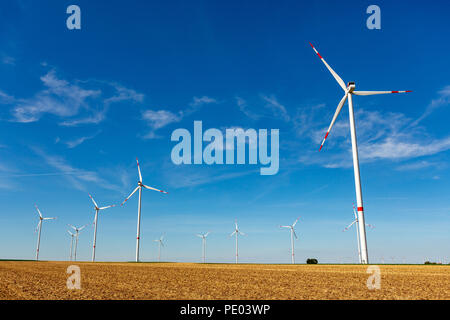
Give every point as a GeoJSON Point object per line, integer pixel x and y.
{"type": "Point", "coordinates": [351, 86]}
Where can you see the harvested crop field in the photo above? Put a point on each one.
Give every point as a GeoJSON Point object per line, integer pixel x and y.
{"type": "Point", "coordinates": [47, 280]}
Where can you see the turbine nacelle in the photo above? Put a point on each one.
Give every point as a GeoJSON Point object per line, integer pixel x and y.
{"type": "Point", "coordinates": [351, 86]}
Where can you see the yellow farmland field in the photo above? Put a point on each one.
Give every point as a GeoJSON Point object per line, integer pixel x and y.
{"type": "Point", "coordinates": [47, 280]}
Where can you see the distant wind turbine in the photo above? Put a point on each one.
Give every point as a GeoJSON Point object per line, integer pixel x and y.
{"type": "Point", "coordinates": [160, 243]}
{"type": "Point", "coordinates": [97, 209]}
{"type": "Point", "coordinates": [357, 231]}
{"type": "Point", "coordinates": [140, 186]}
{"type": "Point", "coordinates": [349, 91]}
{"type": "Point", "coordinates": [77, 232]}
{"type": "Point", "coordinates": [203, 236]}
{"type": "Point", "coordinates": [39, 227]}
{"type": "Point", "coordinates": [236, 233]}
{"type": "Point", "coordinates": [71, 243]}
{"type": "Point", "coordinates": [293, 234]}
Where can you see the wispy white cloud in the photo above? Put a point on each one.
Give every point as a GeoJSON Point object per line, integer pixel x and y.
{"type": "Point", "coordinates": [276, 107]}
{"type": "Point", "coordinates": [76, 178]}
{"type": "Point", "coordinates": [243, 107]}
{"type": "Point", "coordinates": [417, 165]}
{"type": "Point", "coordinates": [443, 99]}
{"type": "Point", "coordinates": [8, 60]}
{"type": "Point", "coordinates": [69, 99]}
{"type": "Point", "coordinates": [157, 120]}
{"type": "Point", "coordinates": [59, 98]}
{"type": "Point", "coordinates": [76, 142]}
{"type": "Point", "coordinates": [160, 118]}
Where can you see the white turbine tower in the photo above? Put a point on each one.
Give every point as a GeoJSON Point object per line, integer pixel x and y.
{"type": "Point", "coordinates": [97, 209]}
{"type": "Point", "coordinates": [71, 243]}
{"type": "Point", "coordinates": [140, 186]}
{"type": "Point", "coordinates": [160, 243]}
{"type": "Point", "coordinates": [357, 231]}
{"type": "Point", "coordinates": [293, 234]}
{"type": "Point", "coordinates": [39, 227]}
{"type": "Point", "coordinates": [203, 236]}
{"type": "Point", "coordinates": [77, 232]}
{"type": "Point", "coordinates": [349, 91]}
{"type": "Point", "coordinates": [236, 233]}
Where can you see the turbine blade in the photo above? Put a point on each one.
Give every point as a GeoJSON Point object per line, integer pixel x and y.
{"type": "Point", "coordinates": [103, 208]}
{"type": "Point", "coordinates": [95, 204]}
{"type": "Point", "coordinates": [199, 235]}
{"type": "Point", "coordinates": [206, 234]}
{"type": "Point", "coordinates": [37, 227]}
{"type": "Point", "coordinates": [295, 222]}
{"type": "Point", "coordinates": [82, 228]}
{"type": "Point", "coordinates": [130, 195]}
{"type": "Point", "coordinates": [338, 110]}
{"type": "Point", "coordinates": [295, 235]}
{"type": "Point", "coordinates": [139, 170]}
{"type": "Point", "coordinates": [70, 233]}
{"type": "Point", "coordinates": [40, 214]}
{"type": "Point", "coordinates": [335, 75]}
{"type": "Point", "coordinates": [232, 234]}
{"type": "Point", "coordinates": [162, 244]}
{"type": "Point", "coordinates": [151, 188]}
{"type": "Point", "coordinates": [370, 93]}
{"type": "Point", "coordinates": [370, 226]}
{"type": "Point", "coordinates": [49, 218]}
{"type": "Point", "coordinates": [354, 213]}
{"type": "Point", "coordinates": [350, 225]}
{"type": "Point", "coordinates": [72, 227]}
{"type": "Point", "coordinates": [285, 226]}
{"type": "Point", "coordinates": [241, 233]}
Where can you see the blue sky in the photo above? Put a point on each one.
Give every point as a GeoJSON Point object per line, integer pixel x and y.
{"type": "Point", "coordinates": [78, 106]}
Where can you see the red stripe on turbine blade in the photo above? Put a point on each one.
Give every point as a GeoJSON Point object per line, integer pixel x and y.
{"type": "Point", "coordinates": [360, 209]}
{"type": "Point", "coordinates": [408, 91]}
{"type": "Point", "coordinates": [326, 135]}
{"type": "Point", "coordinates": [320, 147]}
{"type": "Point", "coordinates": [394, 91]}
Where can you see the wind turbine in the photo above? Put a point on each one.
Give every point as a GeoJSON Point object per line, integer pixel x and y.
{"type": "Point", "coordinates": [357, 232]}
{"type": "Point", "coordinates": [71, 243]}
{"type": "Point", "coordinates": [349, 91]}
{"type": "Point", "coordinates": [160, 243]}
{"type": "Point", "coordinates": [203, 236]}
{"type": "Point", "coordinates": [77, 232]}
{"type": "Point", "coordinates": [236, 233]}
{"type": "Point", "coordinates": [39, 227]}
{"type": "Point", "coordinates": [293, 234]}
{"type": "Point", "coordinates": [97, 209]}
{"type": "Point", "coordinates": [140, 186]}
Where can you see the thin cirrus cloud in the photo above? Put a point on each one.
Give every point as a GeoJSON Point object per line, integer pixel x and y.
{"type": "Point", "coordinates": [158, 119]}
{"type": "Point", "coordinates": [67, 100]}
{"type": "Point", "coordinates": [77, 178]}
{"type": "Point", "coordinates": [443, 99]}
{"type": "Point", "coordinates": [76, 142]}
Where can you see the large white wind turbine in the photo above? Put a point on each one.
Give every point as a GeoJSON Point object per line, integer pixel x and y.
{"type": "Point", "coordinates": [71, 243]}
{"type": "Point", "coordinates": [203, 236]}
{"type": "Point", "coordinates": [293, 234]}
{"type": "Point", "coordinates": [97, 209]}
{"type": "Point", "coordinates": [160, 244]}
{"type": "Point", "coordinates": [236, 233]}
{"type": "Point", "coordinates": [357, 231]}
{"type": "Point", "coordinates": [77, 232]}
{"type": "Point", "coordinates": [39, 227]}
{"type": "Point", "coordinates": [140, 186]}
{"type": "Point", "coordinates": [349, 91]}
